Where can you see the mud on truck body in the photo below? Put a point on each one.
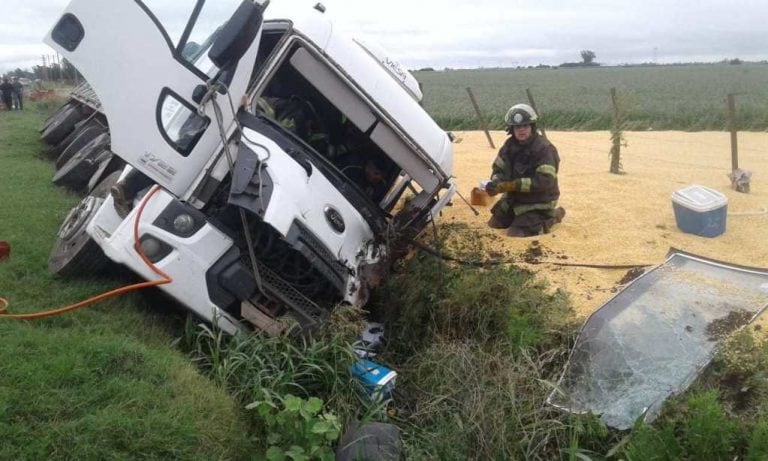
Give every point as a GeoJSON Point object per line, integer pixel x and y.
{"type": "Point", "coordinates": [250, 219]}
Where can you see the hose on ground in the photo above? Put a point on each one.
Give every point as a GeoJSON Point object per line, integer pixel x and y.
{"type": "Point", "coordinates": [497, 262]}
{"type": "Point", "coordinates": [165, 279]}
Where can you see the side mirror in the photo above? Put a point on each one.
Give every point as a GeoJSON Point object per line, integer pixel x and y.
{"type": "Point", "coordinates": [237, 35]}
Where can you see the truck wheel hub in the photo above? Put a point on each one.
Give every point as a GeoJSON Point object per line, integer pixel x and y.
{"type": "Point", "coordinates": [78, 217]}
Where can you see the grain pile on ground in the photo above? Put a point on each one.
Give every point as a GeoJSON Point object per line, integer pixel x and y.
{"type": "Point", "coordinates": [626, 219]}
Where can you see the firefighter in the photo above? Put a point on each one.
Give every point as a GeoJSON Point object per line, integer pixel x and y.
{"type": "Point", "coordinates": [525, 171]}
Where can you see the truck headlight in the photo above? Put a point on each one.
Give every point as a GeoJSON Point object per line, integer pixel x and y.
{"type": "Point", "coordinates": [184, 224]}
{"type": "Point", "coordinates": [153, 248]}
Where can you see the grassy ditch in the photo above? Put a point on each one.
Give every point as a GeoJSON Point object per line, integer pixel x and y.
{"type": "Point", "coordinates": [100, 383]}
{"type": "Point", "coordinates": [477, 350]}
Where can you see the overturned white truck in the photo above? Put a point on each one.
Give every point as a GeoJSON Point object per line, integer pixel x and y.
{"type": "Point", "coordinates": [254, 218]}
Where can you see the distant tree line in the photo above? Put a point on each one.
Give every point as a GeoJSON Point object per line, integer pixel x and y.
{"type": "Point", "coordinates": [52, 71]}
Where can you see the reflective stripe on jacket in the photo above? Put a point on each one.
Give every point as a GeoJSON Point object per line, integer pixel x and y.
{"type": "Point", "coordinates": [533, 166]}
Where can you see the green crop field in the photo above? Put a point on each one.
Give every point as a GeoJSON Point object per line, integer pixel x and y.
{"type": "Point", "coordinates": [686, 97]}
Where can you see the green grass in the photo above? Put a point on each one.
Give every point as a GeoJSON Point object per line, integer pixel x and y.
{"type": "Point", "coordinates": [100, 383]}
{"type": "Point", "coordinates": [690, 97]}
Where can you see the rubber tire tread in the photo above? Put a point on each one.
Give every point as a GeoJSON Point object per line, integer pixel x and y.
{"type": "Point", "coordinates": [62, 125]}
{"type": "Point", "coordinates": [86, 135]}
{"type": "Point", "coordinates": [59, 111]}
{"type": "Point", "coordinates": [105, 168]}
{"type": "Point", "coordinates": [80, 167]}
{"type": "Point", "coordinates": [55, 151]}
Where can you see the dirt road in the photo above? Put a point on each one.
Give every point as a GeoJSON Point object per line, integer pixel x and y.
{"type": "Point", "coordinates": [628, 219]}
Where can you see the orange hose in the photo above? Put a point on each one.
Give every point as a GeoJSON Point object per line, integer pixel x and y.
{"type": "Point", "coordinates": [109, 294]}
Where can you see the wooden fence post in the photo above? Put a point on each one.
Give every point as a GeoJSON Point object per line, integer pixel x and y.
{"type": "Point", "coordinates": [739, 178]}
{"type": "Point", "coordinates": [480, 117]}
{"type": "Point", "coordinates": [533, 105]}
{"type": "Point", "coordinates": [732, 129]}
{"type": "Point", "coordinates": [616, 136]}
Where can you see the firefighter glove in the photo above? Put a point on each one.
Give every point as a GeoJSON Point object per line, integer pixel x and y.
{"type": "Point", "coordinates": [490, 188]}
{"type": "Point", "coordinates": [505, 186]}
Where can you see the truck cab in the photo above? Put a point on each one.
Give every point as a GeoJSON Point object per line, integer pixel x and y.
{"type": "Point", "coordinates": [291, 163]}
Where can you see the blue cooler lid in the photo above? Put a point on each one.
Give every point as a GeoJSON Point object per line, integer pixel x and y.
{"type": "Point", "coordinates": [699, 198]}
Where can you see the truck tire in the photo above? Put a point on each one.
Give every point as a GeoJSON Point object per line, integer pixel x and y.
{"type": "Point", "coordinates": [76, 172]}
{"type": "Point", "coordinates": [108, 165]}
{"type": "Point", "coordinates": [87, 134]}
{"type": "Point", "coordinates": [75, 253]}
{"type": "Point", "coordinates": [59, 111]}
{"type": "Point", "coordinates": [62, 125]}
{"type": "Point", "coordinates": [55, 151]}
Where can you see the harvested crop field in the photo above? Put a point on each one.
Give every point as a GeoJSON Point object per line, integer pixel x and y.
{"type": "Point", "coordinates": [624, 219]}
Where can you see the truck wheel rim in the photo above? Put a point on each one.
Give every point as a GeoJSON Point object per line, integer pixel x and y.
{"type": "Point", "coordinates": [78, 217]}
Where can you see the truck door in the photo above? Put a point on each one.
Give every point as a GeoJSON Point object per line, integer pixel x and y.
{"type": "Point", "coordinates": [145, 60]}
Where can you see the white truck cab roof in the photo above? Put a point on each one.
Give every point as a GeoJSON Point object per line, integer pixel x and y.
{"type": "Point", "coordinates": [393, 89]}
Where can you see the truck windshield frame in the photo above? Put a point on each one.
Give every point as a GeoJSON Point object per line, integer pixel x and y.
{"type": "Point", "coordinates": [179, 37]}
{"type": "Point", "coordinates": [280, 57]}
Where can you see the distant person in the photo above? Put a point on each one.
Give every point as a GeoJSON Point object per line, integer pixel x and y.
{"type": "Point", "coordinates": [6, 93]}
{"type": "Point", "coordinates": [525, 171]}
{"type": "Point", "coordinates": [18, 94]}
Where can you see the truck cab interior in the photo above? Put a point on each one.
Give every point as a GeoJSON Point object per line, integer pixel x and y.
{"type": "Point", "coordinates": [324, 115]}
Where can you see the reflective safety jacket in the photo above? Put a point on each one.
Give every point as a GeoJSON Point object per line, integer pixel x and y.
{"type": "Point", "coordinates": [297, 115]}
{"type": "Point", "coordinates": [533, 166]}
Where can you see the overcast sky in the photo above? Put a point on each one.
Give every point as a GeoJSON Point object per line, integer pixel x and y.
{"type": "Point", "coordinates": [489, 33]}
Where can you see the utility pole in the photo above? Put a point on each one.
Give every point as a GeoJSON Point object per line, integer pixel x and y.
{"type": "Point", "coordinates": [52, 65]}
{"type": "Point", "coordinates": [45, 69]}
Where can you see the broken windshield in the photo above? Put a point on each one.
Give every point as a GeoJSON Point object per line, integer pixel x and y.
{"type": "Point", "coordinates": [653, 339]}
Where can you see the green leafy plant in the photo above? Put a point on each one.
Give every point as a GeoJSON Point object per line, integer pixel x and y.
{"type": "Point", "coordinates": [651, 444]}
{"type": "Point", "coordinates": [296, 428]}
{"type": "Point", "coordinates": [758, 445]}
{"type": "Point", "coordinates": [709, 432]}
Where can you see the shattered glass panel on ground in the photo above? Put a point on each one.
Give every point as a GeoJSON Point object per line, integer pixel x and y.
{"type": "Point", "coordinates": [653, 339]}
